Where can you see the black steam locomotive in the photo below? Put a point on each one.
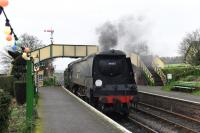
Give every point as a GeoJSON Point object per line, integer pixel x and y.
{"type": "Point", "coordinates": [105, 80]}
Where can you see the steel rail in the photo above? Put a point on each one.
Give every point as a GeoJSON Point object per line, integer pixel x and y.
{"type": "Point", "coordinates": [170, 112]}
{"type": "Point", "coordinates": [147, 128]}
{"type": "Point", "coordinates": [168, 121]}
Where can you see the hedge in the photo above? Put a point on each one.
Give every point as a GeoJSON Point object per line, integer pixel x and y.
{"type": "Point", "coordinates": [5, 100]}
{"type": "Point", "coordinates": [20, 91]}
{"type": "Point", "coordinates": [6, 83]}
{"type": "Point", "coordinates": [50, 81]}
{"type": "Point", "coordinates": [180, 72]}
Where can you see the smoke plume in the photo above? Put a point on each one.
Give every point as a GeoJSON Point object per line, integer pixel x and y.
{"type": "Point", "coordinates": [129, 33]}
{"type": "Point", "coordinates": [108, 37]}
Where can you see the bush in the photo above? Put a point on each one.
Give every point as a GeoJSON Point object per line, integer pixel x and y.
{"type": "Point", "coordinates": [6, 83]}
{"type": "Point", "coordinates": [191, 78]}
{"type": "Point", "coordinates": [49, 82]}
{"type": "Point", "coordinates": [18, 119]}
{"type": "Point", "coordinates": [5, 100]}
{"type": "Point", "coordinates": [180, 72]}
{"type": "Point", "coordinates": [20, 91]}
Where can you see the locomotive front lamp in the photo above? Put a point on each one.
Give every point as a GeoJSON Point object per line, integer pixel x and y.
{"type": "Point", "coordinates": [98, 83]}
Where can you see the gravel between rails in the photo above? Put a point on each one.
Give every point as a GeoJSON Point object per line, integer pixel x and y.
{"type": "Point", "coordinates": [189, 123]}
{"type": "Point", "coordinates": [180, 106]}
{"type": "Point", "coordinates": [156, 123]}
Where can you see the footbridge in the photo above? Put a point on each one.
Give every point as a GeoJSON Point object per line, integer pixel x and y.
{"type": "Point", "coordinates": [79, 51]}
{"type": "Point", "coordinates": [63, 50]}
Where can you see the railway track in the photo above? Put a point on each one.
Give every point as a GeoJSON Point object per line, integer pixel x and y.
{"type": "Point", "coordinates": [143, 128]}
{"type": "Point", "coordinates": [183, 107]}
{"type": "Point", "coordinates": [159, 124]}
{"type": "Point", "coordinates": [178, 119]}
{"type": "Point", "coordinates": [164, 114]}
{"type": "Point", "coordinates": [164, 121]}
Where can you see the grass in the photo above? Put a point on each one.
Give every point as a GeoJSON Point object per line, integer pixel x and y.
{"type": "Point", "coordinates": [194, 84]}
{"type": "Point", "coordinates": [184, 75]}
{"type": "Point", "coordinates": [189, 83]}
{"type": "Point", "coordinates": [176, 65]}
{"type": "Point", "coordinates": [169, 86]}
{"type": "Point", "coordinates": [197, 93]}
{"type": "Point", "coordinates": [191, 78]}
{"type": "Point", "coordinates": [17, 122]}
{"type": "Point", "coordinates": [18, 118]}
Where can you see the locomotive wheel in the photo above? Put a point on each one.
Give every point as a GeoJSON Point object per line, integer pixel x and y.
{"type": "Point", "coordinates": [101, 106]}
{"type": "Point", "coordinates": [126, 110]}
{"type": "Point", "coordinates": [125, 114]}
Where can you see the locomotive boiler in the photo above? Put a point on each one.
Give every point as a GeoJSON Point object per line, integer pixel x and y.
{"type": "Point", "coordinates": [105, 80]}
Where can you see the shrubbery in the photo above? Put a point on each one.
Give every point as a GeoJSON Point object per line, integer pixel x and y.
{"type": "Point", "coordinates": [6, 83]}
{"type": "Point", "coordinates": [49, 82]}
{"type": "Point", "coordinates": [179, 72]}
{"type": "Point", "coordinates": [20, 91]}
{"type": "Point", "coordinates": [5, 100]}
{"type": "Point", "coordinates": [18, 119]}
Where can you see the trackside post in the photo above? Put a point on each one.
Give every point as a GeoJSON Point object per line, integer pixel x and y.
{"type": "Point", "coordinates": [29, 94]}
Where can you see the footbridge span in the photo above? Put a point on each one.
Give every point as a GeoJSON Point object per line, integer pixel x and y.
{"type": "Point", "coordinates": [63, 50]}
{"type": "Point", "coordinates": [79, 51]}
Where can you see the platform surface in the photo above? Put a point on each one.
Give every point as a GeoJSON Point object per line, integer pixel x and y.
{"type": "Point", "coordinates": [180, 95]}
{"type": "Point", "coordinates": [62, 113]}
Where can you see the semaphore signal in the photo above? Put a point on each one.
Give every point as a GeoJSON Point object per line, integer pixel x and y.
{"type": "Point", "coordinates": [51, 35]}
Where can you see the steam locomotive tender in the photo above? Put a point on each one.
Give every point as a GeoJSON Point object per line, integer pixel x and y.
{"type": "Point", "coordinates": [105, 80]}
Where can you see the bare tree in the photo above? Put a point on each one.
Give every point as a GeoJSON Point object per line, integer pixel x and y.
{"type": "Point", "coordinates": [189, 48]}
{"type": "Point", "coordinates": [30, 41]}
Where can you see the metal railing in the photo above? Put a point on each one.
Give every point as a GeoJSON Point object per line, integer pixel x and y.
{"type": "Point", "coordinates": [147, 73]}
{"type": "Point", "coordinates": [159, 72]}
{"type": "Point", "coordinates": [135, 59]}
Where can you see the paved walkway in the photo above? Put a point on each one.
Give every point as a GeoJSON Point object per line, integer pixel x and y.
{"type": "Point", "coordinates": [61, 113]}
{"type": "Point", "coordinates": [180, 95]}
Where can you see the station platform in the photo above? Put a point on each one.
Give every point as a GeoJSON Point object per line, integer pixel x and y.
{"type": "Point", "coordinates": [174, 94]}
{"type": "Point", "coordinates": [61, 113]}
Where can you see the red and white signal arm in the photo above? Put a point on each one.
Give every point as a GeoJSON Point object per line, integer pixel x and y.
{"type": "Point", "coordinates": [49, 30]}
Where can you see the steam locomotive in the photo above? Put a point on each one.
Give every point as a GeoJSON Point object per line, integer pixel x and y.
{"type": "Point", "coordinates": [105, 80]}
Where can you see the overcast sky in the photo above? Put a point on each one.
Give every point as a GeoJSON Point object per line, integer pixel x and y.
{"type": "Point", "coordinates": [75, 21]}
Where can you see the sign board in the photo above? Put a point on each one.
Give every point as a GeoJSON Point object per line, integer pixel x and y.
{"type": "Point", "coordinates": [169, 76]}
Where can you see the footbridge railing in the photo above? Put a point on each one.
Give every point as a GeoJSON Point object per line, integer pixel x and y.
{"type": "Point", "coordinates": [159, 72]}
{"type": "Point", "coordinates": [135, 59]}
{"type": "Point", "coordinates": [63, 50]}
